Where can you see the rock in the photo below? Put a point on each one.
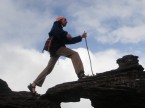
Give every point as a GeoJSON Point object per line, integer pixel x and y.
{"type": "Point", "coordinates": [123, 87]}
{"type": "Point", "coordinates": [4, 87]}
{"type": "Point", "coordinates": [129, 61]}
{"type": "Point", "coordinates": [24, 99]}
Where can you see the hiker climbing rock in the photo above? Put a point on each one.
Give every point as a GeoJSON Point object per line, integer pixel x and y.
{"type": "Point", "coordinates": [55, 45]}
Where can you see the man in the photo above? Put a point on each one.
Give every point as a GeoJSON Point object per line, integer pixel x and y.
{"type": "Point", "coordinates": [58, 38]}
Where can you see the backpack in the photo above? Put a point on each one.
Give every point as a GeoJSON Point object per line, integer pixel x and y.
{"type": "Point", "coordinates": [47, 44]}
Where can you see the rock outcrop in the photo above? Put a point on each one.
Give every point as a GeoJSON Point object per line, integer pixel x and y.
{"type": "Point", "coordinates": [123, 87]}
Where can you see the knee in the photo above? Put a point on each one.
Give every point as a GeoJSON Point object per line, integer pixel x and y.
{"type": "Point", "coordinates": [75, 53]}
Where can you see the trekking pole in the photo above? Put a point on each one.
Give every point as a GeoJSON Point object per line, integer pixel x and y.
{"type": "Point", "coordinates": [89, 56]}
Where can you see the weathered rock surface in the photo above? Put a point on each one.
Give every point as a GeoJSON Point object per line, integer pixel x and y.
{"type": "Point", "coordinates": [23, 99]}
{"type": "Point", "coordinates": [123, 87]}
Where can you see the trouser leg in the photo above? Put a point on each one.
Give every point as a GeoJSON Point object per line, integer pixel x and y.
{"type": "Point", "coordinates": [74, 56]}
{"type": "Point", "coordinates": [40, 79]}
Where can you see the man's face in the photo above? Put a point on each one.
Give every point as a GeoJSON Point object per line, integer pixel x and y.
{"type": "Point", "coordinates": [63, 22]}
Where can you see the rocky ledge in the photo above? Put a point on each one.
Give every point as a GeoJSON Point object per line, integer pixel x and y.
{"type": "Point", "coordinates": [123, 87]}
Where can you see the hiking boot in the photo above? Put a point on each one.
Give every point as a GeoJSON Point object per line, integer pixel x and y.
{"type": "Point", "coordinates": [81, 75]}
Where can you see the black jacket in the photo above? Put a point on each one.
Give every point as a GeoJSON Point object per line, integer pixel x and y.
{"type": "Point", "coordinates": [57, 38]}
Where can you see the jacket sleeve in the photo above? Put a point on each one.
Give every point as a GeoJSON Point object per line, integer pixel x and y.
{"type": "Point", "coordinates": [74, 40]}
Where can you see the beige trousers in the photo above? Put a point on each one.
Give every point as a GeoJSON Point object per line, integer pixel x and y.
{"type": "Point", "coordinates": [63, 51]}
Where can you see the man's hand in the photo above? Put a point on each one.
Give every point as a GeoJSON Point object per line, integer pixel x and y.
{"type": "Point", "coordinates": [84, 35]}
